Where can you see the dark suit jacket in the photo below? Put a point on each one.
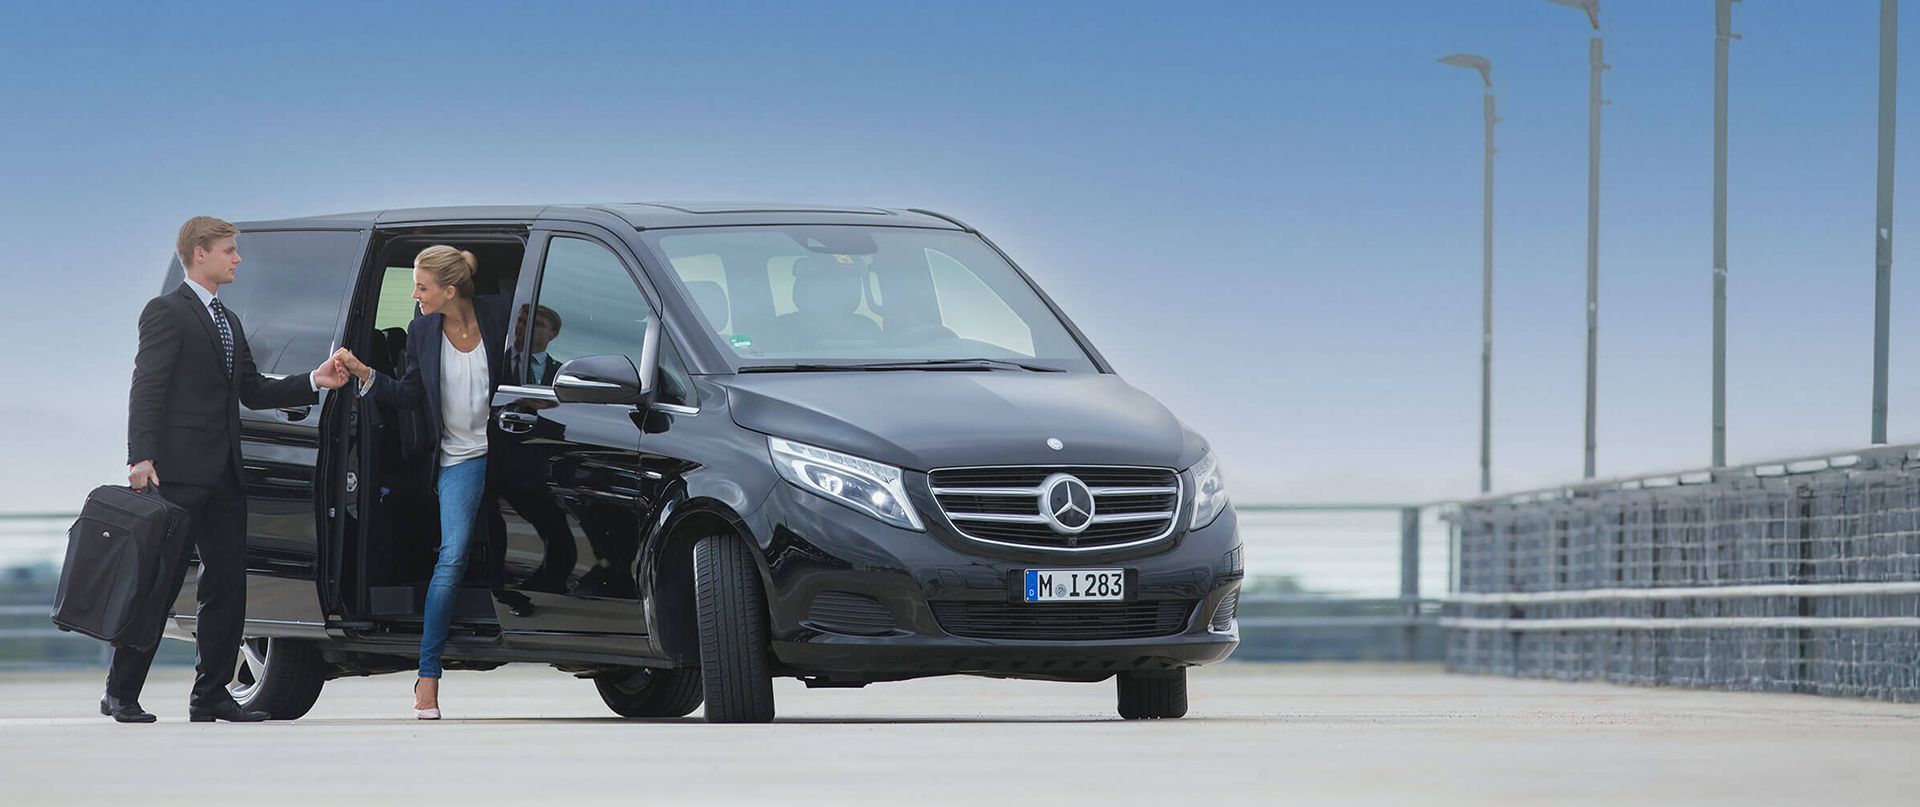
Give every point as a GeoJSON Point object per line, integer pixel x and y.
{"type": "Point", "coordinates": [183, 412]}
{"type": "Point", "coordinates": [418, 385]}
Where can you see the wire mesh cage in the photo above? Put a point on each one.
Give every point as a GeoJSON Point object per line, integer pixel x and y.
{"type": "Point", "coordinates": [1785, 577]}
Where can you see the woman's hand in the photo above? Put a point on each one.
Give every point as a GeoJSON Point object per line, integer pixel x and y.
{"type": "Point", "coordinates": [354, 365]}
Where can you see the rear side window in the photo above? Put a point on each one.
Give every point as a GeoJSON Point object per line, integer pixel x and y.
{"type": "Point", "coordinates": [396, 307]}
{"type": "Point", "coordinates": [289, 293]}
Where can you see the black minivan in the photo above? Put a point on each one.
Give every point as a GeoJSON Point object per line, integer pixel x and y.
{"type": "Point", "coordinates": [741, 441]}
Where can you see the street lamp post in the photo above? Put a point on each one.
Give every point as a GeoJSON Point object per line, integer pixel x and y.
{"type": "Point", "coordinates": [1596, 63]}
{"type": "Point", "coordinates": [1883, 216]}
{"type": "Point", "coordinates": [1485, 69]}
{"type": "Point", "coordinates": [1723, 33]}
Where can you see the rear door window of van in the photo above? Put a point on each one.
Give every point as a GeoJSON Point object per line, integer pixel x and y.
{"type": "Point", "coordinates": [395, 307]}
{"type": "Point", "coordinates": [289, 294]}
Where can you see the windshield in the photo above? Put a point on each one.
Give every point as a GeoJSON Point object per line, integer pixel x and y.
{"type": "Point", "coordinates": [841, 295]}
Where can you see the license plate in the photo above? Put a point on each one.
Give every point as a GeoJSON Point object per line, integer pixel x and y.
{"type": "Point", "coordinates": [1076, 585]}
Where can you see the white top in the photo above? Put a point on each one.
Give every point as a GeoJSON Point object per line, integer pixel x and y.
{"type": "Point", "coordinates": [463, 403]}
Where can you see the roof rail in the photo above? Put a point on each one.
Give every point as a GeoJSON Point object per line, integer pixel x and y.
{"type": "Point", "coordinates": [956, 222]}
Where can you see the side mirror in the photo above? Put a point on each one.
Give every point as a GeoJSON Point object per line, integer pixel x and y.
{"type": "Point", "coordinates": [611, 378]}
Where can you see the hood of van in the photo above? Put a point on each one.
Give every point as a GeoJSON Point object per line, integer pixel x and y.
{"type": "Point", "coordinates": [921, 420]}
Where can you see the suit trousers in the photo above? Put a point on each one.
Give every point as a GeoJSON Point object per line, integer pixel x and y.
{"type": "Point", "coordinates": [218, 525]}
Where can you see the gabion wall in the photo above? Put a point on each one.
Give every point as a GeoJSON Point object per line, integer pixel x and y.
{"type": "Point", "coordinates": [1785, 577]}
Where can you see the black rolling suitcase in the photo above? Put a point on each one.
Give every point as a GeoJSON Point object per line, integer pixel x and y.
{"type": "Point", "coordinates": [123, 566]}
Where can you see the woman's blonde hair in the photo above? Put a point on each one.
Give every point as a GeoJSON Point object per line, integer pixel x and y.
{"type": "Point", "coordinates": [450, 267]}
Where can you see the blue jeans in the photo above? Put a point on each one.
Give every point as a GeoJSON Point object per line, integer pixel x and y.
{"type": "Point", "coordinates": [460, 487]}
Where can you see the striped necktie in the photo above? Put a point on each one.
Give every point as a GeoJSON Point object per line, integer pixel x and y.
{"type": "Point", "coordinates": [226, 333]}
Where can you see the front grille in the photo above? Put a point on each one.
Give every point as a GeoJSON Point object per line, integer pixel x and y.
{"type": "Point", "coordinates": [1223, 615]}
{"type": "Point", "coordinates": [1063, 621]}
{"type": "Point", "coordinates": [1002, 505]}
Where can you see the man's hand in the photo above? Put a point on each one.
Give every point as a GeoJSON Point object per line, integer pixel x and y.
{"type": "Point", "coordinates": [330, 374]}
{"type": "Point", "coordinates": [141, 474]}
{"type": "Point", "coordinates": [352, 364]}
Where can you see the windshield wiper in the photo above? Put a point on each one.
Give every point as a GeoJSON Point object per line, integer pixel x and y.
{"type": "Point", "coordinates": [919, 364]}
{"type": "Point", "coordinates": [963, 364]}
{"type": "Point", "coordinates": [796, 368]}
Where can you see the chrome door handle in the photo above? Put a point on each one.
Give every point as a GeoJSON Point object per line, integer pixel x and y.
{"type": "Point", "coordinates": [513, 422]}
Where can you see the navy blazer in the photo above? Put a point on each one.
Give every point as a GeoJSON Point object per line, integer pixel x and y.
{"type": "Point", "coordinates": [418, 387]}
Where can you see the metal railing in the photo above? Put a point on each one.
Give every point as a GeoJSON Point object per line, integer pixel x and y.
{"type": "Point", "coordinates": [1325, 581]}
{"type": "Point", "coordinates": [1348, 591]}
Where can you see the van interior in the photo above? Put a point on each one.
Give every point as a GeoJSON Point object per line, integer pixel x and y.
{"type": "Point", "coordinates": [392, 532]}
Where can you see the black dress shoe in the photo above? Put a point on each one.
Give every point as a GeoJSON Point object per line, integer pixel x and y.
{"type": "Point", "coordinates": [124, 711]}
{"type": "Point", "coordinates": [229, 711]}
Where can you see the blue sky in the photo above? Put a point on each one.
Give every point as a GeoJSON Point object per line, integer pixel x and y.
{"type": "Point", "coordinates": [1266, 214]}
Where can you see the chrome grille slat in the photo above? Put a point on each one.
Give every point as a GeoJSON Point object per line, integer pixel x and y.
{"type": "Point", "coordinates": [1115, 518]}
{"type": "Point", "coordinates": [999, 505]}
{"type": "Point", "coordinates": [1006, 518]}
{"type": "Point", "coordinates": [987, 491]}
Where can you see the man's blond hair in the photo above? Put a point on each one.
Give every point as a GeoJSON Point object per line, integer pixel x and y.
{"type": "Point", "coordinates": [201, 231]}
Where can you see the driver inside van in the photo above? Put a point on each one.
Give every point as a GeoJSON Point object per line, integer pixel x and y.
{"type": "Point", "coordinates": [825, 298]}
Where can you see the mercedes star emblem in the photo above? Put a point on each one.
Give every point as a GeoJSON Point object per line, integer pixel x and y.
{"type": "Point", "coordinates": [1066, 503]}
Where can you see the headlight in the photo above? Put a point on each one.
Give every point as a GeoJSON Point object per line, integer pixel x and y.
{"type": "Point", "coordinates": [1209, 491]}
{"type": "Point", "coordinates": [870, 487]}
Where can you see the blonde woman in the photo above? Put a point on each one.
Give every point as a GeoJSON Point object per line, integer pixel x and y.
{"type": "Point", "coordinates": [455, 357]}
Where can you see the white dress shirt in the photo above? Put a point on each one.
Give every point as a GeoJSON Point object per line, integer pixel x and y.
{"type": "Point", "coordinates": [537, 366]}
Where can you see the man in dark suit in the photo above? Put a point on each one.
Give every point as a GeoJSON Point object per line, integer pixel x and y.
{"type": "Point", "coordinates": [190, 377]}
{"type": "Point", "coordinates": [542, 366]}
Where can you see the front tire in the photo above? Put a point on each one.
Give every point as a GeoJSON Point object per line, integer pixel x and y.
{"type": "Point", "coordinates": [281, 677]}
{"type": "Point", "coordinates": [651, 692]}
{"type": "Point", "coordinates": [1153, 695]}
{"type": "Point", "coordinates": [733, 632]}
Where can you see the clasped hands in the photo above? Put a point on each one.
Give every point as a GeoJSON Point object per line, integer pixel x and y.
{"type": "Point", "coordinates": [333, 373]}
{"type": "Point", "coordinates": [346, 364]}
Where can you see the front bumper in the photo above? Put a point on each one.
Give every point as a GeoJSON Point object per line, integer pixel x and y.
{"type": "Point", "coordinates": [815, 551]}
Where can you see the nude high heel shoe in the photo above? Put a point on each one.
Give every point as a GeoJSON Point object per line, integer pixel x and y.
{"type": "Point", "coordinates": [424, 714]}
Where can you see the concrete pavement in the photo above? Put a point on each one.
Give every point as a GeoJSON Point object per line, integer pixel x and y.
{"type": "Point", "coordinates": [1257, 734]}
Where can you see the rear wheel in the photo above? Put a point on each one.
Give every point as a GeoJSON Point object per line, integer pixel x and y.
{"type": "Point", "coordinates": [1152, 695]}
{"type": "Point", "coordinates": [733, 632]}
{"type": "Point", "coordinates": [281, 677]}
{"type": "Point", "coordinates": [650, 692]}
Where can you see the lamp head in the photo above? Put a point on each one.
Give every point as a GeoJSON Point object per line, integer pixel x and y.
{"type": "Point", "coordinates": [1471, 61]}
{"type": "Point", "coordinates": [1592, 7]}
